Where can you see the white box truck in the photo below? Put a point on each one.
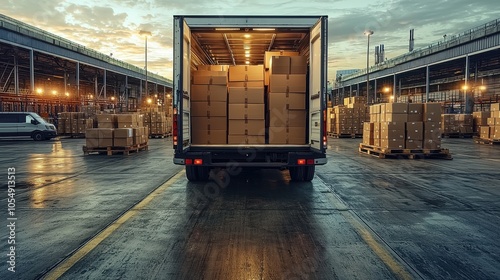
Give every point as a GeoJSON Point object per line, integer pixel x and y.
{"type": "Point", "coordinates": [250, 91]}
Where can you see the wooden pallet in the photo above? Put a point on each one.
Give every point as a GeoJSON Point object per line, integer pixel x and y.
{"type": "Point", "coordinates": [457, 135]}
{"type": "Point", "coordinates": [336, 135]}
{"type": "Point", "coordinates": [115, 150]}
{"type": "Point", "coordinates": [404, 153]}
{"type": "Point", "coordinates": [487, 141]}
{"type": "Point", "coordinates": [159, 135]}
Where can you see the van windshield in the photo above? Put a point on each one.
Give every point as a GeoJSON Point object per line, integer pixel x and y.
{"type": "Point", "coordinates": [37, 117]}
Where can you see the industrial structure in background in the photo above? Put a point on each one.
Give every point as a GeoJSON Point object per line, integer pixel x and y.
{"type": "Point", "coordinates": [43, 73]}
{"type": "Point", "coordinates": [462, 72]}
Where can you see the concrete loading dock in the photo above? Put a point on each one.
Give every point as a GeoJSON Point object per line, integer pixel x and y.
{"type": "Point", "coordinates": [360, 217]}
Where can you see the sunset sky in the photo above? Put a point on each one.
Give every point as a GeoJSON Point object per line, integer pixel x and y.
{"type": "Point", "coordinates": [112, 26]}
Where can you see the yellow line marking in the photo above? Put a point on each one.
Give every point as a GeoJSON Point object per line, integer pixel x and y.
{"type": "Point", "coordinates": [64, 266]}
{"type": "Point", "coordinates": [368, 238]}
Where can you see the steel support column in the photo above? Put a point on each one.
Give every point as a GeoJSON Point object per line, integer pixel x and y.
{"type": "Point", "coordinates": [32, 71]}
{"type": "Point", "coordinates": [427, 83]}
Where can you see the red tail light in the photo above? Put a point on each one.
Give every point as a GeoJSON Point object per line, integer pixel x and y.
{"type": "Point", "coordinates": [325, 142]}
{"type": "Point", "coordinates": [174, 128]}
{"type": "Point", "coordinates": [188, 161]}
{"type": "Point", "coordinates": [301, 162]}
{"type": "Point", "coordinates": [198, 161]}
{"type": "Point", "coordinates": [310, 162]}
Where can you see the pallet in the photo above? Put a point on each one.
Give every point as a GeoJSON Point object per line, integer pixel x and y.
{"type": "Point", "coordinates": [487, 141]}
{"type": "Point", "coordinates": [404, 153]}
{"type": "Point", "coordinates": [115, 150]}
{"type": "Point", "coordinates": [158, 135]}
{"type": "Point", "coordinates": [336, 135]}
{"type": "Point", "coordinates": [457, 135]}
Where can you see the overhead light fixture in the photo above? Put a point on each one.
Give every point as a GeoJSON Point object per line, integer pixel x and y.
{"type": "Point", "coordinates": [246, 36]}
{"type": "Point", "coordinates": [247, 55]}
{"type": "Point", "coordinates": [247, 52]}
{"type": "Point", "coordinates": [246, 47]}
{"type": "Point", "coordinates": [247, 62]}
{"type": "Point", "coordinates": [264, 29]}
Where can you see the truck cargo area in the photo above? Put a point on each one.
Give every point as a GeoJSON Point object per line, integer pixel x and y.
{"type": "Point", "coordinates": [249, 90]}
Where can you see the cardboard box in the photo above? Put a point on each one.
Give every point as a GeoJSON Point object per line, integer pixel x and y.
{"type": "Point", "coordinates": [367, 140]}
{"type": "Point", "coordinates": [106, 133]}
{"type": "Point", "coordinates": [495, 114]}
{"type": "Point", "coordinates": [247, 127]}
{"type": "Point", "coordinates": [246, 84]}
{"type": "Point", "coordinates": [485, 132]}
{"type": "Point", "coordinates": [209, 123]}
{"type": "Point", "coordinates": [246, 139]}
{"type": "Point", "coordinates": [206, 73]}
{"type": "Point", "coordinates": [416, 108]}
{"type": "Point", "coordinates": [415, 117]}
{"type": "Point", "coordinates": [92, 133]}
{"type": "Point", "coordinates": [246, 111]}
{"type": "Point", "coordinates": [396, 108]}
{"type": "Point", "coordinates": [126, 118]}
{"type": "Point", "coordinates": [208, 93]}
{"type": "Point", "coordinates": [414, 144]}
{"type": "Point", "coordinates": [415, 130]}
{"type": "Point", "coordinates": [105, 142]}
{"type": "Point", "coordinates": [123, 142]}
{"type": "Point", "coordinates": [392, 126]}
{"type": "Point", "coordinates": [376, 142]}
{"type": "Point", "coordinates": [123, 133]}
{"type": "Point", "coordinates": [287, 83]}
{"type": "Point", "coordinates": [392, 134]}
{"type": "Point", "coordinates": [92, 142]}
{"type": "Point", "coordinates": [209, 137]}
{"type": "Point", "coordinates": [432, 112]}
{"type": "Point", "coordinates": [287, 135]}
{"type": "Point", "coordinates": [432, 144]}
{"type": "Point", "coordinates": [290, 118]}
{"type": "Point", "coordinates": [298, 65]}
{"type": "Point", "coordinates": [392, 143]}
{"type": "Point", "coordinates": [495, 132]}
{"type": "Point", "coordinates": [495, 107]}
{"type": "Point", "coordinates": [242, 95]}
{"type": "Point", "coordinates": [244, 73]}
{"type": "Point", "coordinates": [106, 118]}
{"type": "Point", "coordinates": [280, 65]}
{"type": "Point", "coordinates": [391, 117]}
{"type": "Point", "coordinates": [209, 80]}
{"type": "Point", "coordinates": [367, 126]}
{"type": "Point", "coordinates": [492, 121]}
{"type": "Point", "coordinates": [208, 109]}
{"type": "Point", "coordinates": [213, 67]}
{"type": "Point", "coordinates": [268, 55]}
{"type": "Point", "coordinates": [288, 101]}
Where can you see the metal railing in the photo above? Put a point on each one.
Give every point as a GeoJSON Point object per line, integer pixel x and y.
{"type": "Point", "coordinates": [437, 46]}
{"type": "Point", "coordinates": [37, 33]}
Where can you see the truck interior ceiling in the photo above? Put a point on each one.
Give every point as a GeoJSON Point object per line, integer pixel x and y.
{"type": "Point", "coordinates": [244, 46]}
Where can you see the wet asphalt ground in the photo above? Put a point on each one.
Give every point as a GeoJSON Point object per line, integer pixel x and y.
{"type": "Point", "coordinates": [137, 216]}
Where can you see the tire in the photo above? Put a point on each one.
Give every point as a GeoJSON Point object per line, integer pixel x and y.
{"type": "Point", "coordinates": [309, 173]}
{"type": "Point", "coordinates": [37, 136]}
{"type": "Point", "coordinates": [296, 173]}
{"type": "Point", "coordinates": [191, 173]}
{"type": "Point", "coordinates": [203, 173]}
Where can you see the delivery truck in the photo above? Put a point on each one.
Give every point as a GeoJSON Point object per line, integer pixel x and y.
{"type": "Point", "coordinates": [250, 91]}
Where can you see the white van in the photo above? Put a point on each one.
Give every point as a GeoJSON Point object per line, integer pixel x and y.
{"type": "Point", "coordinates": [15, 124]}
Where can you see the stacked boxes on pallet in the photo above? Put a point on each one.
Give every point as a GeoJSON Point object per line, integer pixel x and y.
{"type": "Point", "coordinates": [73, 123]}
{"type": "Point", "coordinates": [117, 130]}
{"type": "Point", "coordinates": [209, 106]}
{"type": "Point", "coordinates": [480, 119]}
{"type": "Point", "coordinates": [457, 124]}
{"type": "Point", "coordinates": [349, 118]}
{"type": "Point", "coordinates": [404, 126]}
{"type": "Point", "coordinates": [246, 105]}
{"type": "Point", "coordinates": [287, 100]}
{"type": "Point", "coordinates": [492, 130]}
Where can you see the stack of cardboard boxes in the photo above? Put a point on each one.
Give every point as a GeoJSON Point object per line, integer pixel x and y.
{"type": "Point", "coordinates": [117, 130]}
{"type": "Point", "coordinates": [209, 105]}
{"type": "Point", "coordinates": [480, 119]}
{"type": "Point", "coordinates": [287, 100]}
{"type": "Point", "coordinates": [73, 123]}
{"type": "Point", "coordinates": [246, 105]}
{"type": "Point", "coordinates": [457, 124]}
{"type": "Point", "coordinates": [492, 130]}
{"type": "Point", "coordinates": [156, 122]}
{"type": "Point", "coordinates": [349, 118]}
{"type": "Point", "coordinates": [404, 126]}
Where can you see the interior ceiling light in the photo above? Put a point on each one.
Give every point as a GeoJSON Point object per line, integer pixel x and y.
{"type": "Point", "coordinates": [247, 62]}
{"type": "Point", "coordinates": [246, 36]}
{"type": "Point", "coordinates": [247, 55]}
{"type": "Point", "coordinates": [227, 29]}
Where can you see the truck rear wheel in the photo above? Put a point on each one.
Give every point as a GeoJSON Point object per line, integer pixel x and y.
{"type": "Point", "coordinates": [191, 173]}
{"type": "Point", "coordinates": [302, 173]}
{"type": "Point", "coordinates": [197, 173]}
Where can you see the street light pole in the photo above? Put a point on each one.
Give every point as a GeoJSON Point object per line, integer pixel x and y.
{"type": "Point", "coordinates": [368, 33]}
{"type": "Point", "coordinates": [146, 34]}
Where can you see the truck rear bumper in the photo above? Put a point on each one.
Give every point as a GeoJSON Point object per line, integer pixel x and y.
{"type": "Point", "coordinates": [270, 158]}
